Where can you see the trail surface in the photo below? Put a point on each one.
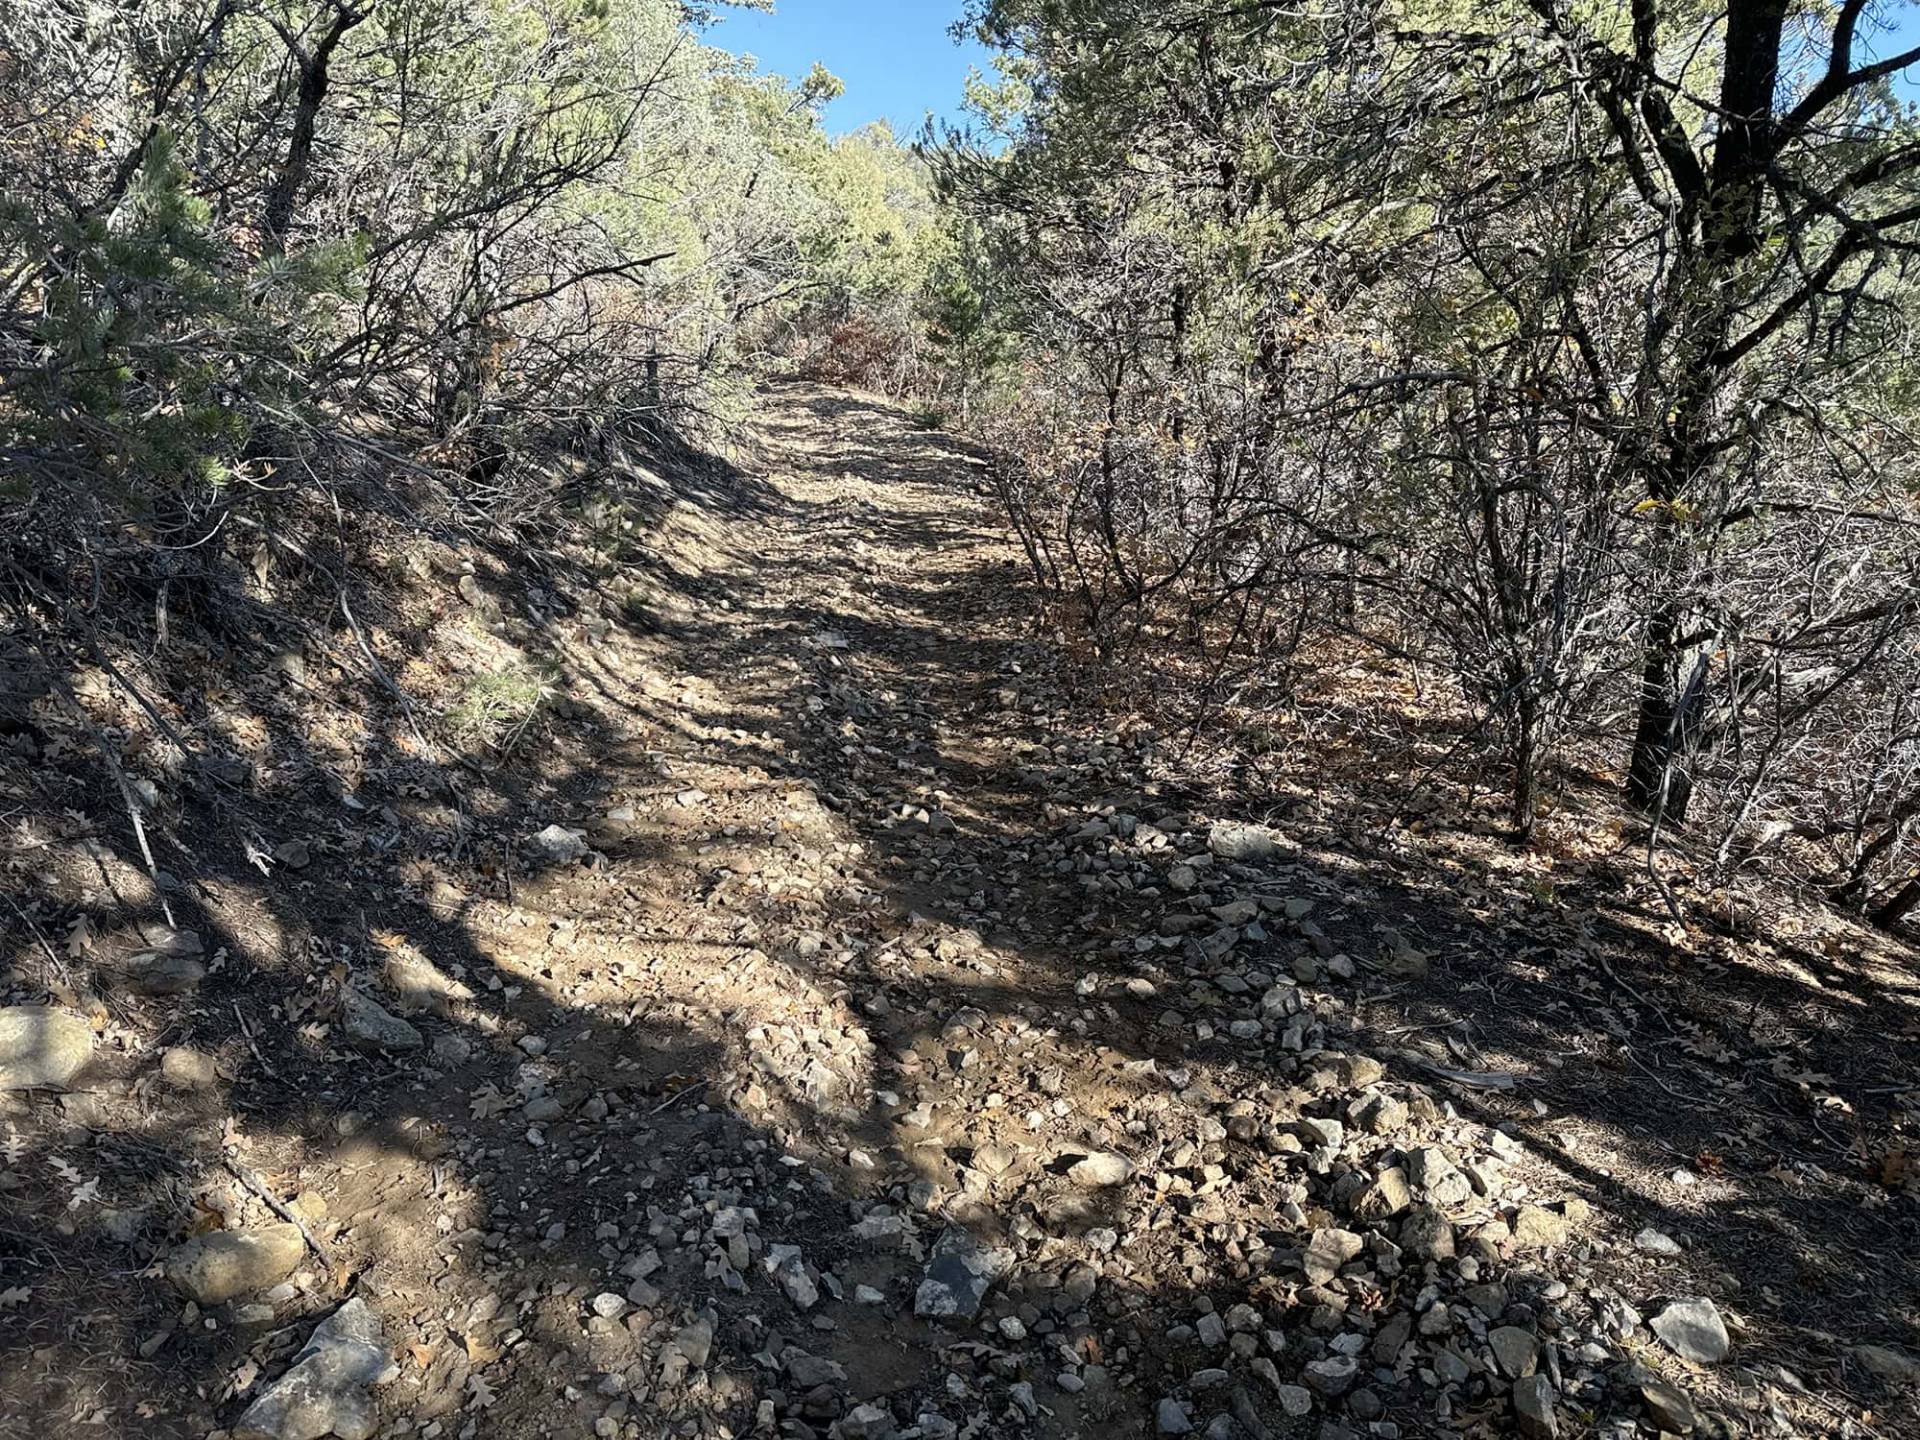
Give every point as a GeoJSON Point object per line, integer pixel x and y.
{"type": "Point", "coordinates": [874, 1050]}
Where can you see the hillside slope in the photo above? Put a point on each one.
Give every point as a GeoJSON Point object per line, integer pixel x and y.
{"type": "Point", "coordinates": [816, 1020]}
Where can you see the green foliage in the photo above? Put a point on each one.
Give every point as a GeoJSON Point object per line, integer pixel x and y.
{"type": "Point", "coordinates": [506, 215]}
{"type": "Point", "coordinates": [498, 710]}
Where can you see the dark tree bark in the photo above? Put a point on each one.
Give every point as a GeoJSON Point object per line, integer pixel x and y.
{"type": "Point", "coordinates": [313, 66]}
{"type": "Point", "coordinates": [1721, 223]}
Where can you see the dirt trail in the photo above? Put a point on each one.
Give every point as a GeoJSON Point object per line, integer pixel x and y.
{"type": "Point", "coordinates": [902, 1058]}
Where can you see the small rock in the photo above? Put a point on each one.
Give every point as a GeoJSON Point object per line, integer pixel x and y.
{"type": "Point", "coordinates": [558, 844]}
{"type": "Point", "coordinates": [1656, 1242]}
{"type": "Point", "coordinates": [1100, 1170]}
{"type": "Point", "coordinates": [1328, 1251]}
{"type": "Point", "coordinates": [1426, 1234]}
{"type": "Point", "coordinates": [1693, 1330]}
{"type": "Point", "coordinates": [1533, 1400]}
{"type": "Point", "coordinates": [371, 1027]}
{"type": "Point", "coordinates": [1386, 1197]}
{"type": "Point", "coordinates": [154, 973]}
{"type": "Point", "coordinates": [324, 1392]}
{"type": "Point", "coordinates": [42, 1048]}
{"type": "Point", "coordinates": [808, 1370]}
{"type": "Point", "coordinates": [1669, 1407]}
{"type": "Point", "coordinates": [1332, 1376]}
{"type": "Point", "coordinates": [1490, 1300]}
{"type": "Point", "coordinates": [1233, 841]}
{"type": "Point", "coordinates": [1384, 1115]}
{"type": "Point", "coordinates": [1537, 1229]}
{"type": "Point", "coordinates": [786, 1265]}
{"type": "Point", "coordinates": [1171, 1418]}
{"type": "Point", "coordinates": [185, 1068]}
{"type": "Point", "coordinates": [215, 1267]}
{"type": "Point", "coordinates": [1295, 1400]}
{"type": "Point", "coordinates": [294, 854]}
{"type": "Point", "coordinates": [958, 1277]}
{"type": "Point", "coordinates": [1888, 1363]}
{"type": "Point", "coordinates": [1515, 1351]}
{"type": "Point", "coordinates": [694, 1342]}
{"type": "Point", "coordinates": [1401, 957]}
{"type": "Point", "coordinates": [451, 1049]}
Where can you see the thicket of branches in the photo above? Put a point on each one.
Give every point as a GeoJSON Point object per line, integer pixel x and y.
{"type": "Point", "coordinates": [271, 266]}
{"type": "Point", "coordinates": [1563, 347]}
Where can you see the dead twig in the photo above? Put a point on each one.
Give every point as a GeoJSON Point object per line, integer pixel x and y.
{"type": "Point", "coordinates": [53, 956]}
{"type": "Point", "coordinates": [678, 1096]}
{"type": "Point", "coordinates": [252, 1044]}
{"type": "Point", "coordinates": [287, 1213]}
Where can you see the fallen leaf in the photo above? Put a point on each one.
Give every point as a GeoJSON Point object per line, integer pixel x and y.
{"type": "Point", "coordinates": [1896, 1168]}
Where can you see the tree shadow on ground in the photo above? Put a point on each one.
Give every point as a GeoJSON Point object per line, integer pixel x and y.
{"type": "Point", "coordinates": [851, 945]}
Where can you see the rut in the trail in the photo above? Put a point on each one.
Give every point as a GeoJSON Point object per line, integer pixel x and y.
{"type": "Point", "coordinates": [845, 1038]}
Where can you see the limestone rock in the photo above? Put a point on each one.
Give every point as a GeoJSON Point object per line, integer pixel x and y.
{"type": "Point", "coordinates": [41, 1048]}
{"type": "Point", "coordinates": [1693, 1330]}
{"type": "Point", "coordinates": [1231, 840]}
{"type": "Point", "coordinates": [216, 1267]}
{"type": "Point", "coordinates": [1426, 1234]}
{"type": "Point", "coordinates": [1100, 1170]}
{"type": "Point", "coordinates": [1538, 1229]}
{"type": "Point", "coordinates": [1328, 1251]}
{"type": "Point", "coordinates": [370, 1027]}
{"type": "Point", "coordinates": [325, 1392]}
{"type": "Point", "coordinates": [1386, 1197]}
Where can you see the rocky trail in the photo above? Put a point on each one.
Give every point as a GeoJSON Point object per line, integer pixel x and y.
{"type": "Point", "coordinates": [839, 1033]}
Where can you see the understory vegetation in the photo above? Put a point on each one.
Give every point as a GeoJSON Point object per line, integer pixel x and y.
{"type": "Point", "coordinates": [1563, 352]}
{"type": "Point", "coordinates": [1558, 352]}
{"type": "Point", "coordinates": [298, 297]}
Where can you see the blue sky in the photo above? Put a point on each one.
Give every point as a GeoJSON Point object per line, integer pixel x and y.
{"type": "Point", "coordinates": [895, 56]}
{"type": "Point", "coordinates": [898, 61]}
{"type": "Point", "coordinates": [1894, 27]}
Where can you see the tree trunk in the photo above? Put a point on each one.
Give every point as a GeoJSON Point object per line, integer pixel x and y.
{"type": "Point", "coordinates": [1726, 199]}
{"type": "Point", "coordinates": [313, 91]}
{"type": "Point", "coordinates": [1526, 769]}
{"type": "Point", "coordinates": [1673, 692]}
